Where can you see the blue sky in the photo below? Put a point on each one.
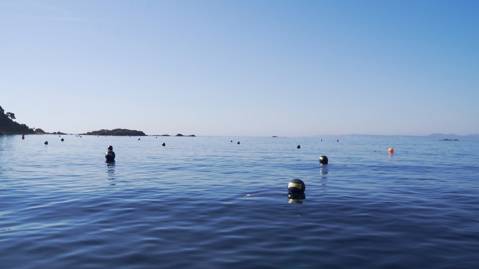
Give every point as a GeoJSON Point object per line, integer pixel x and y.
{"type": "Point", "coordinates": [292, 68]}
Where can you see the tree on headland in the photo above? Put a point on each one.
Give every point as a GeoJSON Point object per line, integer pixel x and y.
{"type": "Point", "coordinates": [10, 115]}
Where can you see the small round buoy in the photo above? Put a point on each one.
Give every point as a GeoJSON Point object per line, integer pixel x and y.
{"type": "Point", "coordinates": [62, 139]}
{"type": "Point", "coordinates": [139, 139]}
{"type": "Point", "coordinates": [238, 142]}
{"type": "Point", "coordinates": [391, 150]}
{"type": "Point", "coordinates": [323, 160]}
{"type": "Point", "coordinates": [110, 155]}
{"type": "Point", "coordinates": [298, 146]}
{"type": "Point", "coordinates": [46, 143]}
{"type": "Point", "coordinates": [296, 189]}
{"type": "Point", "coordinates": [23, 137]}
{"type": "Point", "coordinates": [337, 140]}
{"type": "Point", "coordinates": [231, 141]}
{"type": "Point", "coordinates": [164, 144]}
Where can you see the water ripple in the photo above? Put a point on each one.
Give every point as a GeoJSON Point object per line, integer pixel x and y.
{"type": "Point", "coordinates": [208, 203]}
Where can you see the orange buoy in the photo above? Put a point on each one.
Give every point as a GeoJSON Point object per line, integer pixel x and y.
{"type": "Point", "coordinates": [391, 150]}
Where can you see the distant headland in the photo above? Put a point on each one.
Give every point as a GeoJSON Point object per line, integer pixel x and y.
{"type": "Point", "coordinates": [127, 132]}
{"type": "Point", "coordinates": [116, 132]}
{"type": "Point", "coordinates": [182, 135]}
{"type": "Point", "coordinates": [9, 126]}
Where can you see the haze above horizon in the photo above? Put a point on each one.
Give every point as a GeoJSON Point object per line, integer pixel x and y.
{"type": "Point", "coordinates": [286, 68]}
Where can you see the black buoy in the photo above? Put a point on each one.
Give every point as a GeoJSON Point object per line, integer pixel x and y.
{"type": "Point", "coordinates": [238, 143]}
{"type": "Point", "coordinates": [45, 143]}
{"type": "Point", "coordinates": [231, 141]}
{"type": "Point", "coordinates": [323, 160]}
{"type": "Point", "coordinates": [62, 139]}
{"type": "Point", "coordinates": [23, 137]}
{"type": "Point", "coordinates": [139, 139]}
{"type": "Point", "coordinates": [110, 155]}
{"type": "Point", "coordinates": [296, 189]}
{"type": "Point", "coordinates": [337, 140]}
{"type": "Point", "coordinates": [164, 144]}
{"type": "Point", "coordinates": [298, 146]}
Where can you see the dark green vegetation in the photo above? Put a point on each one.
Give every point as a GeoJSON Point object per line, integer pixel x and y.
{"type": "Point", "coordinates": [117, 132]}
{"type": "Point", "coordinates": [8, 125]}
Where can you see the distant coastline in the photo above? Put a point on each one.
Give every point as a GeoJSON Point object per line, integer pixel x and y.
{"type": "Point", "coordinates": [9, 126]}
{"type": "Point", "coordinates": [177, 135]}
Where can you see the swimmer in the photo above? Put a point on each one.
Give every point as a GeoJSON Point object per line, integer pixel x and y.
{"type": "Point", "coordinates": [110, 155]}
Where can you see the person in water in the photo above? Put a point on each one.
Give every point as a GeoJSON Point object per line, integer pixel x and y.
{"type": "Point", "coordinates": [110, 155]}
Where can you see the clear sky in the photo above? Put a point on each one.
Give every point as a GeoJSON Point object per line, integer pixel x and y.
{"type": "Point", "coordinates": [290, 68]}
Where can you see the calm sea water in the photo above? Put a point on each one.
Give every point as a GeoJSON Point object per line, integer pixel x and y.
{"type": "Point", "coordinates": [207, 203]}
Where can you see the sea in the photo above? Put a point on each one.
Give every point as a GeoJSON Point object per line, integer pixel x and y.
{"type": "Point", "coordinates": [209, 202]}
